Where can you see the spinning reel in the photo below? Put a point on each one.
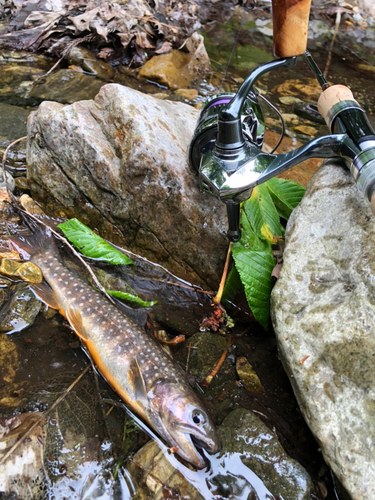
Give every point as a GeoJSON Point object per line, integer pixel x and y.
{"type": "Point", "coordinates": [226, 146]}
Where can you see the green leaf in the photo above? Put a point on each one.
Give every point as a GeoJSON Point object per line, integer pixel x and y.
{"type": "Point", "coordinates": [285, 194]}
{"type": "Point", "coordinates": [248, 238]}
{"type": "Point", "coordinates": [90, 244]}
{"type": "Point", "coordinates": [232, 286]}
{"type": "Point", "coordinates": [262, 214]}
{"type": "Point", "coordinates": [131, 298]}
{"type": "Point", "coordinates": [255, 269]}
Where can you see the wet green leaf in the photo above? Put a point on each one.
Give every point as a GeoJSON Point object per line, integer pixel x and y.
{"type": "Point", "coordinates": [285, 194]}
{"type": "Point", "coordinates": [233, 285]}
{"type": "Point", "coordinates": [255, 270]}
{"type": "Point", "coordinates": [262, 214]}
{"type": "Point", "coordinates": [90, 244]}
{"type": "Point", "coordinates": [131, 298]}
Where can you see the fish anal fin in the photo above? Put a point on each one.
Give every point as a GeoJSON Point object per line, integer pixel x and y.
{"type": "Point", "coordinates": [75, 319]}
{"type": "Point", "coordinates": [45, 293]}
{"type": "Point", "coordinates": [136, 380]}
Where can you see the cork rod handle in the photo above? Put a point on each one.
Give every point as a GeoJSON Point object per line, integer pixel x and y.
{"type": "Point", "coordinates": [290, 24]}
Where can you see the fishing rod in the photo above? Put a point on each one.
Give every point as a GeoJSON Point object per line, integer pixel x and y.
{"type": "Point", "coordinates": [226, 148]}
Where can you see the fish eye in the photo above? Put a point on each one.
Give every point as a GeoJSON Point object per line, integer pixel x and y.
{"type": "Point", "coordinates": [198, 417]}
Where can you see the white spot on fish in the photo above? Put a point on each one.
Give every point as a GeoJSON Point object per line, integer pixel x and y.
{"type": "Point", "coordinates": [156, 358]}
{"type": "Point", "coordinates": [54, 275]}
{"type": "Point", "coordinates": [69, 293]}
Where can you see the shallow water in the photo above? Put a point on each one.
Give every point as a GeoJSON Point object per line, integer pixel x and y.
{"type": "Point", "coordinates": [49, 356]}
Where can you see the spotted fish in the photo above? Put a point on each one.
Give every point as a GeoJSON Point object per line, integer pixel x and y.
{"type": "Point", "coordinates": [131, 361]}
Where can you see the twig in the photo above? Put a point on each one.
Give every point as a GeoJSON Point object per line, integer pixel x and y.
{"type": "Point", "coordinates": [337, 25]}
{"type": "Point", "coordinates": [176, 340]}
{"type": "Point", "coordinates": [187, 360]}
{"type": "Point", "coordinates": [44, 415]}
{"type": "Point", "coordinates": [213, 374]}
{"type": "Point", "coordinates": [217, 298]}
{"type": "Point", "coordinates": [193, 288]}
{"type": "Point", "coordinates": [5, 155]}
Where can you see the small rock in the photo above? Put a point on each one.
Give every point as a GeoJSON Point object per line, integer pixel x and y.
{"type": "Point", "coordinates": [288, 100]}
{"type": "Point", "coordinates": [291, 118]}
{"type": "Point", "coordinates": [88, 62]}
{"type": "Point", "coordinates": [22, 183]}
{"type": "Point", "coordinates": [10, 182]}
{"type": "Point", "coordinates": [9, 266]}
{"type": "Point", "coordinates": [20, 311]}
{"type": "Point", "coordinates": [29, 272]}
{"type": "Point", "coordinates": [306, 129]}
{"type": "Point", "coordinates": [309, 87]}
{"type": "Point", "coordinates": [189, 94]}
{"type": "Point", "coordinates": [30, 206]}
{"type": "Point", "coordinates": [248, 377]}
{"type": "Point", "coordinates": [7, 252]}
{"type": "Point", "coordinates": [161, 95]}
{"type": "Point", "coordinates": [170, 69]}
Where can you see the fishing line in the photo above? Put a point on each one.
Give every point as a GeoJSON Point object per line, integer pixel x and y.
{"type": "Point", "coordinates": [231, 54]}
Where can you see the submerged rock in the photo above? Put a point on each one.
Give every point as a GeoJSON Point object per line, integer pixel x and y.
{"type": "Point", "coordinates": [66, 85]}
{"type": "Point", "coordinates": [20, 311]}
{"type": "Point", "coordinates": [251, 464]}
{"type": "Point", "coordinates": [324, 315]}
{"type": "Point", "coordinates": [170, 69]}
{"type": "Point", "coordinates": [118, 164]}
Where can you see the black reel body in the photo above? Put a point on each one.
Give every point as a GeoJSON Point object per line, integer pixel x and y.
{"type": "Point", "coordinates": [205, 133]}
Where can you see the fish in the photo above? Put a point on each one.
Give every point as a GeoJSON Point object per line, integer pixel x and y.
{"type": "Point", "coordinates": [131, 361]}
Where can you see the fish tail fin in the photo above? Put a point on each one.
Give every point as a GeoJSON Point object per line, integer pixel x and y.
{"type": "Point", "coordinates": [28, 245]}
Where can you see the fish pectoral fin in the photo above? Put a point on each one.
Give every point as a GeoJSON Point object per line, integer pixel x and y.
{"type": "Point", "coordinates": [45, 293]}
{"type": "Point", "coordinates": [75, 319]}
{"type": "Point", "coordinates": [137, 381]}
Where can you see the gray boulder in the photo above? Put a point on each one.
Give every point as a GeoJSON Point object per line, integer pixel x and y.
{"type": "Point", "coordinates": [118, 163]}
{"type": "Point", "coordinates": [323, 309]}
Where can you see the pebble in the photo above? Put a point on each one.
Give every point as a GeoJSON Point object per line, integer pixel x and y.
{"type": "Point", "coordinates": [305, 129]}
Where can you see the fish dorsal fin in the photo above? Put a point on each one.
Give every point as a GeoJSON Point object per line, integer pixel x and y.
{"type": "Point", "coordinates": [137, 381]}
{"type": "Point", "coordinates": [75, 319]}
{"type": "Point", "coordinates": [45, 293]}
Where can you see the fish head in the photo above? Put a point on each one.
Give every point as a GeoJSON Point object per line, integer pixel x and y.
{"type": "Point", "coordinates": [179, 416]}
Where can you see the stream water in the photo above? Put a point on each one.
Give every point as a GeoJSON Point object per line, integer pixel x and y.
{"type": "Point", "coordinates": [40, 362]}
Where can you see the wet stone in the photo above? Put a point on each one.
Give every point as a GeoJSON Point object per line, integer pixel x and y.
{"type": "Point", "coordinates": [66, 86]}
{"type": "Point", "coordinates": [30, 206]}
{"type": "Point", "coordinates": [88, 62]}
{"type": "Point", "coordinates": [323, 314]}
{"type": "Point", "coordinates": [250, 464]}
{"type": "Point", "coordinates": [22, 183]}
{"type": "Point", "coordinates": [10, 184]}
{"type": "Point", "coordinates": [205, 351]}
{"type": "Point", "coordinates": [20, 310]}
{"type": "Point", "coordinates": [13, 122]}
{"type": "Point", "coordinates": [29, 272]}
{"type": "Point", "coordinates": [170, 69]}
{"type": "Point", "coordinates": [244, 433]}
{"type": "Point", "coordinates": [248, 377]}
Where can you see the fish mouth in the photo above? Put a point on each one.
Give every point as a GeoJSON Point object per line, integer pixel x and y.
{"type": "Point", "coordinates": [187, 444]}
{"type": "Point", "coordinates": [188, 451]}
